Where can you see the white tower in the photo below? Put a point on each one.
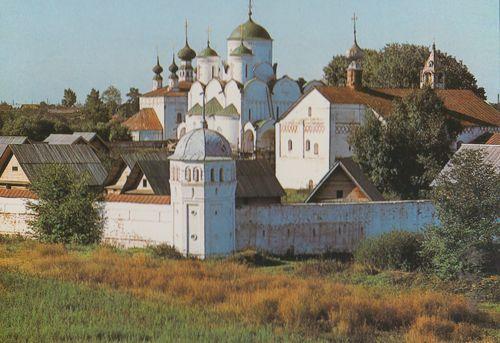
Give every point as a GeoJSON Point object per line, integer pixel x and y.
{"type": "Point", "coordinates": [203, 189]}
{"type": "Point", "coordinates": [207, 64]}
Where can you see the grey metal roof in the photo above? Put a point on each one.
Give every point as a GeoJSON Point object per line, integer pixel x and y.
{"type": "Point", "coordinates": [491, 155]}
{"type": "Point", "coordinates": [202, 144]}
{"type": "Point", "coordinates": [70, 138]}
{"type": "Point", "coordinates": [131, 158]}
{"type": "Point", "coordinates": [256, 179]}
{"type": "Point", "coordinates": [357, 176]}
{"type": "Point", "coordinates": [156, 172]}
{"type": "Point", "coordinates": [88, 136]}
{"type": "Point", "coordinates": [81, 158]}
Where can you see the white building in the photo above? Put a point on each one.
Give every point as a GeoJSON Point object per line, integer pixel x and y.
{"type": "Point", "coordinates": [203, 188]}
{"type": "Point", "coordinates": [313, 134]}
{"type": "Point", "coordinates": [242, 96]}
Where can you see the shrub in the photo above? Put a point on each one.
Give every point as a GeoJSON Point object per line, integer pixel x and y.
{"type": "Point", "coordinates": [319, 268]}
{"type": "Point", "coordinates": [67, 210]}
{"type": "Point", "coordinates": [392, 250]}
{"type": "Point", "coordinates": [252, 258]}
{"type": "Point", "coordinates": [166, 251]}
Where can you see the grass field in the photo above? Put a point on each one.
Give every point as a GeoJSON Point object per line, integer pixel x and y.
{"type": "Point", "coordinates": [55, 293]}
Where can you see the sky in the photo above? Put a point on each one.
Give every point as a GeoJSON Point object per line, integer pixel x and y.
{"type": "Point", "coordinates": [47, 46]}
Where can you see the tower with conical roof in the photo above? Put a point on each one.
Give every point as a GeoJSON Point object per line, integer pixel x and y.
{"type": "Point", "coordinates": [207, 63]}
{"type": "Point", "coordinates": [431, 75]}
{"type": "Point", "coordinates": [157, 79]}
{"type": "Point", "coordinates": [354, 56]}
{"type": "Point", "coordinates": [186, 55]}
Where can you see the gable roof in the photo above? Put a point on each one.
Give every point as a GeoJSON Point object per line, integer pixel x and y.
{"type": "Point", "coordinates": [63, 138]}
{"type": "Point", "coordinates": [494, 139]}
{"type": "Point", "coordinates": [356, 175]}
{"type": "Point", "coordinates": [184, 87]}
{"type": "Point", "coordinates": [156, 172]}
{"type": "Point", "coordinates": [213, 107]}
{"type": "Point", "coordinates": [256, 179]}
{"type": "Point", "coordinates": [463, 104]}
{"type": "Point", "coordinates": [144, 120]}
{"type": "Point", "coordinates": [34, 157]}
{"type": "Point", "coordinates": [6, 140]}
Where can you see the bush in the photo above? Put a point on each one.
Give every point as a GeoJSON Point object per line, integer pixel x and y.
{"type": "Point", "coordinates": [166, 251]}
{"type": "Point", "coordinates": [392, 250]}
{"type": "Point", "coordinates": [252, 258]}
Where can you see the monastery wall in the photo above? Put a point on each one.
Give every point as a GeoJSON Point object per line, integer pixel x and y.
{"type": "Point", "coordinates": [318, 228]}
{"type": "Point", "coordinates": [301, 228]}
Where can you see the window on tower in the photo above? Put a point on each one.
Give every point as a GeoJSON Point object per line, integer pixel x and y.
{"type": "Point", "coordinates": [290, 145]}
{"type": "Point", "coordinates": [308, 145]}
{"type": "Point", "coordinates": [212, 175]}
{"type": "Point", "coordinates": [179, 117]}
{"type": "Point", "coordinates": [196, 175]}
{"type": "Point", "coordinates": [309, 111]}
{"type": "Point", "coordinates": [246, 70]}
{"type": "Point", "coordinates": [221, 175]}
{"type": "Point", "coordinates": [188, 174]}
{"type": "Point", "coordinates": [316, 149]}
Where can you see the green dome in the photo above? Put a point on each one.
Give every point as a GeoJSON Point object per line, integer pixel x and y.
{"type": "Point", "coordinates": [251, 30]}
{"type": "Point", "coordinates": [186, 53]}
{"type": "Point", "coordinates": [157, 69]}
{"type": "Point", "coordinates": [241, 50]}
{"type": "Point", "coordinates": [208, 52]}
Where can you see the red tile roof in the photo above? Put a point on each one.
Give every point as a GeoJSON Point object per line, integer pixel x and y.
{"type": "Point", "coordinates": [138, 199]}
{"type": "Point", "coordinates": [184, 88]}
{"type": "Point", "coordinates": [17, 193]}
{"type": "Point", "coordinates": [463, 104]}
{"type": "Point", "coordinates": [144, 120]}
{"type": "Point", "coordinates": [494, 140]}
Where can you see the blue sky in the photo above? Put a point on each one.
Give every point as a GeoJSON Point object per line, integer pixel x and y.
{"type": "Point", "coordinates": [46, 46]}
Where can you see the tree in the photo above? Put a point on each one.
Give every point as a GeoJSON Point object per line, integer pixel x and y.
{"type": "Point", "coordinates": [403, 155]}
{"type": "Point", "coordinates": [118, 132]}
{"type": "Point", "coordinates": [67, 210]}
{"type": "Point", "coordinates": [132, 105]}
{"type": "Point", "coordinates": [69, 99]}
{"type": "Point", "coordinates": [94, 108]}
{"type": "Point", "coordinates": [301, 82]}
{"type": "Point", "coordinates": [467, 204]}
{"type": "Point", "coordinates": [112, 98]}
{"type": "Point", "coordinates": [399, 65]}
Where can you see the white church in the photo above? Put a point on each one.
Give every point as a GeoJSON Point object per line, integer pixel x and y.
{"type": "Point", "coordinates": [241, 94]}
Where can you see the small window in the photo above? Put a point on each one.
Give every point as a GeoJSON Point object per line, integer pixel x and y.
{"type": "Point", "coordinates": [309, 111]}
{"type": "Point", "coordinates": [246, 70]}
{"type": "Point", "coordinates": [212, 175]}
{"type": "Point", "coordinates": [221, 175]}
{"type": "Point", "coordinates": [196, 175]}
{"type": "Point", "coordinates": [308, 145]}
{"type": "Point", "coordinates": [277, 111]}
{"type": "Point", "coordinates": [249, 114]}
{"type": "Point", "coordinates": [290, 145]}
{"type": "Point", "coordinates": [188, 174]}
{"type": "Point", "coordinates": [144, 183]}
{"type": "Point", "coordinates": [316, 148]}
{"type": "Point", "coordinates": [213, 72]}
{"type": "Point", "coordinates": [340, 194]}
{"type": "Point", "coordinates": [15, 168]}
{"type": "Point", "coordinates": [179, 118]}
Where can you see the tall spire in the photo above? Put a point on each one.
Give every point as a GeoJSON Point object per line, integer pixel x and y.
{"type": "Point", "coordinates": [208, 36]}
{"type": "Point", "coordinates": [250, 9]}
{"type": "Point", "coordinates": [186, 30]}
{"type": "Point", "coordinates": [354, 18]}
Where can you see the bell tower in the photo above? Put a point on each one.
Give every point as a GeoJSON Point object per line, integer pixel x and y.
{"type": "Point", "coordinates": [354, 56]}
{"type": "Point", "coordinates": [431, 75]}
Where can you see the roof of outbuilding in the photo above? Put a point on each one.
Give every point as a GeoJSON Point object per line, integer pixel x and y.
{"type": "Point", "coordinates": [494, 139]}
{"type": "Point", "coordinates": [491, 155]}
{"type": "Point", "coordinates": [256, 179]}
{"type": "Point", "coordinates": [144, 120]}
{"type": "Point", "coordinates": [462, 104]}
{"type": "Point", "coordinates": [156, 172]}
{"type": "Point", "coordinates": [63, 138]}
{"type": "Point", "coordinates": [81, 158]}
{"type": "Point", "coordinates": [6, 140]}
{"type": "Point", "coordinates": [139, 199]}
{"type": "Point", "coordinates": [356, 175]}
{"type": "Point", "coordinates": [184, 87]}
{"type": "Point", "coordinates": [131, 158]}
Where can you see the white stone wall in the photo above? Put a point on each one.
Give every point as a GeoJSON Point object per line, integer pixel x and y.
{"type": "Point", "coordinates": [14, 216]}
{"type": "Point", "coordinates": [319, 228]}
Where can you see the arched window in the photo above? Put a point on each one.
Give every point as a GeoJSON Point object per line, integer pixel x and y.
{"type": "Point", "coordinates": [308, 145]}
{"type": "Point", "coordinates": [316, 148]}
{"type": "Point", "coordinates": [179, 117]}
{"type": "Point", "coordinates": [277, 111]}
{"type": "Point", "coordinates": [212, 175]}
{"type": "Point", "coordinates": [246, 70]}
{"type": "Point", "coordinates": [290, 145]}
{"type": "Point", "coordinates": [188, 174]}
{"type": "Point", "coordinates": [221, 175]}
{"type": "Point", "coordinates": [309, 111]}
{"type": "Point", "coordinates": [196, 175]}
{"type": "Point", "coordinates": [213, 71]}
{"type": "Point", "coordinates": [249, 114]}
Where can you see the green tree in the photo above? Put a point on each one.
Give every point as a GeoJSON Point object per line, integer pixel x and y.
{"type": "Point", "coordinates": [132, 104]}
{"type": "Point", "coordinates": [466, 197]}
{"type": "Point", "coordinates": [399, 65]}
{"type": "Point", "coordinates": [69, 99]}
{"type": "Point", "coordinates": [67, 210]}
{"type": "Point", "coordinates": [112, 98]}
{"type": "Point", "coordinates": [403, 155]}
{"type": "Point", "coordinates": [94, 108]}
{"type": "Point", "coordinates": [118, 132]}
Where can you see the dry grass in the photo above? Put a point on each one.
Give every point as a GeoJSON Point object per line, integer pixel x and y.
{"type": "Point", "coordinates": [313, 305]}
